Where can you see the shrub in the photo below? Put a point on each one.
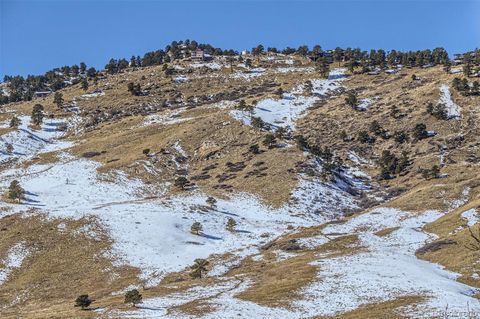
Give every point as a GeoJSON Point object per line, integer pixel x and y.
{"type": "Point", "coordinates": [269, 141]}
{"type": "Point", "coordinates": [433, 172]}
{"type": "Point", "coordinates": [15, 191]}
{"type": "Point", "coordinates": [83, 301]}
{"type": "Point", "coordinates": [254, 149]}
{"type": "Point", "coordinates": [133, 297]}
{"type": "Point", "coordinates": [198, 268]}
{"type": "Point", "coordinates": [351, 99]}
{"type": "Point", "coordinates": [196, 228]}
{"type": "Point", "coordinates": [420, 131]}
{"type": "Point", "coordinates": [363, 137]}
{"type": "Point", "coordinates": [15, 122]}
{"type": "Point", "coordinates": [211, 201]}
{"type": "Point", "coordinates": [400, 137]}
{"type": "Point", "coordinates": [231, 224]}
{"type": "Point", "coordinates": [257, 122]}
{"type": "Point", "coordinates": [181, 182]}
{"type": "Point", "coordinates": [146, 151]}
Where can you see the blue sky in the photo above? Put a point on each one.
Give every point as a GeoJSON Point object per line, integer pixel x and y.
{"type": "Point", "coordinates": [36, 36]}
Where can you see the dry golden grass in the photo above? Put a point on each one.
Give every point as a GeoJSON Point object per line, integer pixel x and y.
{"type": "Point", "coordinates": [63, 263]}
{"type": "Point", "coordinates": [382, 310]}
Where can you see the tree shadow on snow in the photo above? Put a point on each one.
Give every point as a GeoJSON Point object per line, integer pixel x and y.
{"type": "Point", "coordinates": [210, 236]}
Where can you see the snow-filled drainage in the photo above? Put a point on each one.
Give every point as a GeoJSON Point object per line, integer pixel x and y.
{"type": "Point", "coordinates": [453, 110]}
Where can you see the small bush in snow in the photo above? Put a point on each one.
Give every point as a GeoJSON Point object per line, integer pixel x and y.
{"type": "Point", "coordinates": [15, 191]}
{"type": "Point", "coordinates": [231, 224]}
{"type": "Point", "coordinates": [211, 201]}
{"type": "Point", "coordinates": [9, 148]}
{"type": "Point", "coordinates": [198, 268]}
{"type": "Point", "coordinates": [196, 228]}
{"type": "Point", "coordinates": [257, 122]}
{"type": "Point", "coordinates": [133, 297]}
{"type": "Point", "coordinates": [15, 122]}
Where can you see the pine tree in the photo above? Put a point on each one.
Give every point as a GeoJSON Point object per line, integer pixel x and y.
{"type": "Point", "coordinates": [83, 67]}
{"type": "Point", "coordinates": [58, 99]}
{"type": "Point", "coordinates": [231, 224]}
{"type": "Point", "coordinates": [83, 301]}
{"type": "Point", "coordinates": [133, 297]}
{"type": "Point", "coordinates": [15, 122]}
{"type": "Point", "coordinates": [351, 99]}
{"type": "Point", "coordinates": [323, 67]}
{"type": "Point", "coordinates": [254, 149]}
{"type": "Point", "coordinates": [196, 228]}
{"type": "Point", "coordinates": [181, 182]}
{"type": "Point", "coordinates": [269, 141]}
{"type": "Point", "coordinates": [84, 84]}
{"type": "Point", "coordinates": [211, 201]}
{"type": "Point", "coordinates": [198, 268]}
{"type": "Point", "coordinates": [37, 114]}
{"type": "Point", "coordinates": [15, 191]}
{"type": "Point", "coordinates": [308, 88]}
{"type": "Point", "coordinates": [9, 148]}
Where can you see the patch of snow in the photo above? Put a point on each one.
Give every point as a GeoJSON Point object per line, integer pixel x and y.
{"type": "Point", "coordinates": [285, 111]}
{"type": "Point", "coordinates": [364, 104]}
{"type": "Point", "coordinates": [93, 94]}
{"type": "Point", "coordinates": [166, 118]}
{"type": "Point", "coordinates": [210, 65]}
{"type": "Point", "coordinates": [27, 142]}
{"type": "Point", "coordinates": [453, 110]}
{"type": "Point", "coordinates": [14, 259]}
{"type": "Point", "coordinates": [471, 216]}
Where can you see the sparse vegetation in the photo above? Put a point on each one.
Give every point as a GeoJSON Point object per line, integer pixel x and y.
{"type": "Point", "coordinates": [83, 301]}
{"type": "Point", "coordinates": [196, 228]}
{"type": "Point", "coordinates": [231, 224]}
{"type": "Point", "coordinates": [133, 297]}
{"type": "Point", "coordinates": [198, 268]}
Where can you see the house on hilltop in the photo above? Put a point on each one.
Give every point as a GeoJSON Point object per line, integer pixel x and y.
{"type": "Point", "coordinates": [198, 55]}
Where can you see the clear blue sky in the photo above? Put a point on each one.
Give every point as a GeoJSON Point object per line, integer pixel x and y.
{"type": "Point", "coordinates": [39, 35]}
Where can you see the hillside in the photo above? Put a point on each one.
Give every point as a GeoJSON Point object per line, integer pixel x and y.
{"type": "Point", "coordinates": [350, 194]}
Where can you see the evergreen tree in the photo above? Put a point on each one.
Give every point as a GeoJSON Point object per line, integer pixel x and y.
{"type": "Point", "coordinates": [198, 268]}
{"type": "Point", "coordinates": [254, 149]}
{"type": "Point", "coordinates": [91, 72]}
{"type": "Point", "coordinates": [269, 141]}
{"type": "Point", "coordinates": [211, 201]}
{"type": "Point", "coordinates": [196, 228]}
{"type": "Point", "coordinates": [181, 182]}
{"type": "Point", "coordinates": [83, 67]}
{"type": "Point", "coordinates": [133, 297]}
{"type": "Point", "coordinates": [15, 122]}
{"type": "Point", "coordinates": [9, 148]}
{"type": "Point", "coordinates": [420, 131]}
{"type": "Point", "coordinates": [58, 99]}
{"type": "Point", "coordinates": [231, 224]}
{"type": "Point", "coordinates": [15, 191]}
{"type": "Point", "coordinates": [351, 99]}
{"type": "Point", "coordinates": [37, 114]}
{"type": "Point", "coordinates": [84, 84]}
{"type": "Point", "coordinates": [323, 67]}
{"type": "Point", "coordinates": [83, 301]}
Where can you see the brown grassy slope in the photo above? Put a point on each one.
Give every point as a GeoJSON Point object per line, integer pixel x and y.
{"type": "Point", "coordinates": [64, 262]}
{"type": "Point", "coordinates": [459, 137]}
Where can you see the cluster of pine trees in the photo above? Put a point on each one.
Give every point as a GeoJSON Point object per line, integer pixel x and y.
{"type": "Point", "coordinates": [23, 88]}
